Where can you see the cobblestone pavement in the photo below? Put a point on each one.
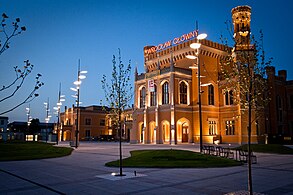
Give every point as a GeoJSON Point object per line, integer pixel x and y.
{"type": "Point", "coordinates": [84, 172]}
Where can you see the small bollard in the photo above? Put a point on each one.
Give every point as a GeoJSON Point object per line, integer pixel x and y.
{"type": "Point", "coordinates": [134, 173]}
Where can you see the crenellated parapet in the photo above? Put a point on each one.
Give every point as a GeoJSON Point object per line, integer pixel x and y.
{"type": "Point", "coordinates": [179, 52]}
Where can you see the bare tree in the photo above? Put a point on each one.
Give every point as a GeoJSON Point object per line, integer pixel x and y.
{"type": "Point", "coordinates": [118, 93]}
{"type": "Point", "coordinates": [244, 73]}
{"type": "Point", "coordinates": [21, 73]}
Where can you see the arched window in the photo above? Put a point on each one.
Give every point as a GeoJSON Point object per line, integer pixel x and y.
{"type": "Point", "coordinates": [183, 93]}
{"type": "Point", "coordinates": [142, 98]}
{"type": "Point", "coordinates": [211, 95]}
{"type": "Point", "coordinates": [229, 97]}
{"type": "Point", "coordinates": [154, 96]}
{"type": "Point", "coordinates": [165, 93]}
{"type": "Point", "coordinates": [142, 133]}
{"type": "Point", "coordinates": [230, 127]}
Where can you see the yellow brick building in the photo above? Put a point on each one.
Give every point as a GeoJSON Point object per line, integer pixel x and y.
{"type": "Point", "coordinates": [166, 109]}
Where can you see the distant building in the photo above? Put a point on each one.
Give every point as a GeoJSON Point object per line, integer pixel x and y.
{"type": "Point", "coordinates": [94, 122]}
{"type": "Point", "coordinates": [279, 118]}
{"type": "Point", "coordinates": [19, 130]}
{"type": "Point", "coordinates": [3, 128]}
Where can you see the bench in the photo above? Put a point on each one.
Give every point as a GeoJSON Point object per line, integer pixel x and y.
{"type": "Point", "coordinates": [208, 150]}
{"type": "Point", "coordinates": [219, 151]}
{"type": "Point", "coordinates": [228, 153]}
{"type": "Point", "coordinates": [224, 152]}
{"type": "Point", "coordinates": [243, 156]}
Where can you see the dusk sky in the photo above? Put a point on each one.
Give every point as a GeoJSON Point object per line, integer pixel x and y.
{"type": "Point", "coordinates": [59, 32]}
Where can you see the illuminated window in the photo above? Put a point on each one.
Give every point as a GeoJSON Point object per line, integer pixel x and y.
{"type": "Point", "coordinates": [230, 127]}
{"type": "Point", "coordinates": [129, 117]}
{"type": "Point", "coordinates": [229, 97]}
{"type": "Point", "coordinates": [142, 133]}
{"type": "Point", "coordinates": [154, 96]}
{"type": "Point", "coordinates": [165, 93]}
{"type": "Point", "coordinates": [183, 93]}
{"type": "Point", "coordinates": [142, 98]}
{"type": "Point", "coordinates": [212, 128]}
{"type": "Point", "coordinates": [211, 95]}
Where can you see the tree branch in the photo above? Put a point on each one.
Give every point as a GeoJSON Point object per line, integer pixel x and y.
{"type": "Point", "coordinates": [16, 31]}
{"type": "Point", "coordinates": [30, 97]}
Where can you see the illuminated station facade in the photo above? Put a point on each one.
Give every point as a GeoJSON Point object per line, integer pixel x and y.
{"type": "Point", "coordinates": [166, 106]}
{"type": "Point", "coordinates": [166, 101]}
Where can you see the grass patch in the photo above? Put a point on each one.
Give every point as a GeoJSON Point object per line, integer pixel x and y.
{"type": "Point", "coordinates": [268, 148]}
{"type": "Point", "coordinates": [172, 159]}
{"type": "Point", "coordinates": [10, 151]}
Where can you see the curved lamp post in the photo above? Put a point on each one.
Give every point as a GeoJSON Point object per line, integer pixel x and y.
{"type": "Point", "coordinates": [48, 116]}
{"type": "Point", "coordinates": [28, 113]}
{"type": "Point", "coordinates": [61, 98]}
{"type": "Point", "coordinates": [77, 83]}
{"type": "Point", "coordinates": [196, 47]}
{"type": "Point", "coordinates": [29, 118]}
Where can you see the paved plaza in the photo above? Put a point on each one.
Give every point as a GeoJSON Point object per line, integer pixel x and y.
{"type": "Point", "coordinates": [84, 172]}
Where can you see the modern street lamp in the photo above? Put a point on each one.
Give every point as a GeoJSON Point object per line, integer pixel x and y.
{"type": "Point", "coordinates": [77, 83]}
{"type": "Point", "coordinates": [61, 98]}
{"type": "Point", "coordinates": [196, 47]}
{"type": "Point", "coordinates": [29, 118]}
{"type": "Point", "coordinates": [48, 116]}
{"type": "Point", "coordinates": [28, 113]}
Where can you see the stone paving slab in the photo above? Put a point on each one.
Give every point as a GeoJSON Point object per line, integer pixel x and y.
{"type": "Point", "coordinates": [84, 172]}
{"type": "Point", "coordinates": [116, 176]}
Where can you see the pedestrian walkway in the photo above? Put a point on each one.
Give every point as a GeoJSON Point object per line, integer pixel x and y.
{"type": "Point", "coordinates": [83, 172]}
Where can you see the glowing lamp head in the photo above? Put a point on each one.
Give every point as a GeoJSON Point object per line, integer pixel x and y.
{"type": "Point", "coordinates": [83, 72]}
{"type": "Point", "coordinates": [202, 36]}
{"type": "Point", "coordinates": [205, 84]}
{"type": "Point", "coordinates": [77, 82]}
{"type": "Point", "coordinates": [193, 67]}
{"type": "Point", "coordinates": [82, 77]}
{"type": "Point", "coordinates": [192, 57]}
{"type": "Point", "coordinates": [195, 45]}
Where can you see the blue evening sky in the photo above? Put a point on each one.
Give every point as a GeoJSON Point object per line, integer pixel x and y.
{"type": "Point", "coordinates": [59, 32]}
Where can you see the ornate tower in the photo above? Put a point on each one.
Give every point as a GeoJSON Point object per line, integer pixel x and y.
{"type": "Point", "coordinates": [241, 17]}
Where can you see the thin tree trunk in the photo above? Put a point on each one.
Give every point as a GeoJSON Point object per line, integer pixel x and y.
{"type": "Point", "coordinates": [249, 152]}
{"type": "Point", "coordinates": [249, 134]}
{"type": "Point", "coordinates": [120, 144]}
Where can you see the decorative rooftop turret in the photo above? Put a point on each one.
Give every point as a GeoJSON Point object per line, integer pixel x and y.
{"type": "Point", "coordinates": [241, 16]}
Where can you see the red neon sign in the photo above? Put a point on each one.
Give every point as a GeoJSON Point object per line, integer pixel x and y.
{"type": "Point", "coordinates": [175, 41]}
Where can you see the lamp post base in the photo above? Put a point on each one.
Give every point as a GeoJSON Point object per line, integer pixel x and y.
{"type": "Point", "coordinates": [118, 174]}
